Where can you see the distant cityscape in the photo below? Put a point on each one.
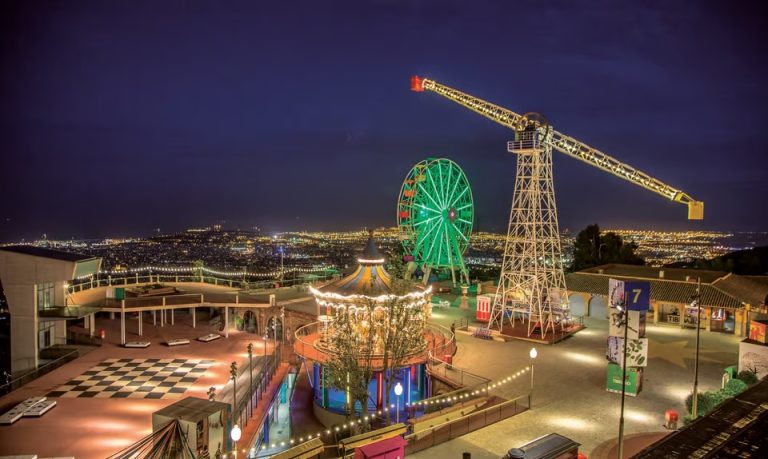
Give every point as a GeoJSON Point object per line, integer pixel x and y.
{"type": "Point", "coordinates": [228, 249]}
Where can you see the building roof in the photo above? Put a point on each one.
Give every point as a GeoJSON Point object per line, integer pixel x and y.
{"type": "Point", "coordinates": [650, 272]}
{"type": "Point", "coordinates": [734, 429]}
{"type": "Point", "coordinates": [192, 409]}
{"type": "Point", "coordinates": [370, 277]}
{"type": "Point", "coordinates": [661, 289]}
{"type": "Point", "coordinates": [371, 254]}
{"type": "Point", "coordinates": [46, 253]}
{"type": "Point", "coordinates": [750, 289]}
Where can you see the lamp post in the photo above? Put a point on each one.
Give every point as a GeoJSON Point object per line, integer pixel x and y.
{"type": "Point", "coordinates": [622, 319]}
{"type": "Point", "coordinates": [233, 374]}
{"type": "Point", "coordinates": [533, 353]}
{"type": "Point", "coordinates": [234, 434]}
{"type": "Point", "coordinates": [250, 376]}
{"type": "Point", "coordinates": [398, 392]}
{"type": "Point", "coordinates": [265, 344]}
{"type": "Point", "coordinates": [695, 400]}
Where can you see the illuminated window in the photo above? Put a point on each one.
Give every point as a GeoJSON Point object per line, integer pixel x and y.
{"type": "Point", "coordinates": [44, 296]}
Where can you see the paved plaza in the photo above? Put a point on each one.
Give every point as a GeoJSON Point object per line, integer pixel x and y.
{"type": "Point", "coordinates": [93, 423]}
{"type": "Point", "coordinates": [569, 393]}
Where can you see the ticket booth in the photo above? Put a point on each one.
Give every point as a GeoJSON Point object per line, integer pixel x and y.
{"type": "Point", "coordinates": [483, 313]}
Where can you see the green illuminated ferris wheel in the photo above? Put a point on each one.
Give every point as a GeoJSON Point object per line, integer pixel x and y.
{"type": "Point", "coordinates": [435, 213]}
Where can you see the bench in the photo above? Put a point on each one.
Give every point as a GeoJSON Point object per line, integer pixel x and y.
{"type": "Point", "coordinates": [483, 333]}
{"type": "Point", "coordinates": [39, 409]}
{"type": "Point", "coordinates": [138, 344]}
{"type": "Point", "coordinates": [209, 337]}
{"type": "Point", "coordinates": [177, 342]}
{"type": "Point", "coordinates": [31, 407]}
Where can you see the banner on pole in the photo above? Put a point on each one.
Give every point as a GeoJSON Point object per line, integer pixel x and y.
{"type": "Point", "coordinates": [637, 351]}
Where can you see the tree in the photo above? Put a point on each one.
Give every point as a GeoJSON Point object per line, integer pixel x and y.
{"type": "Point", "coordinates": [593, 248]}
{"type": "Point", "coordinates": [374, 334]}
{"type": "Point", "coordinates": [396, 267]}
{"type": "Point", "coordinates": [403, 333]}
{"type": "Point", "coordinates": [350, 367]}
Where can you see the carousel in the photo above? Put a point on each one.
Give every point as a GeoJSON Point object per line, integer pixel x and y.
{"type": "Point", "coordinates": [367, 308]}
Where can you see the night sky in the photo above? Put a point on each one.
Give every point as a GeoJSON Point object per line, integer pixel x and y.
{"type": "Point", "coordinates": [120, 117]}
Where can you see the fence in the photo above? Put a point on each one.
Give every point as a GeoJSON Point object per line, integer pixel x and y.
{"type": "Point", "coordinates": [261, 380]}
{"type": "Point", "coordinates": [101, 280]}
{"type": "Point", "coordinates": [38, 372]}
{"type": "Point", "coordinates": [440, 433]}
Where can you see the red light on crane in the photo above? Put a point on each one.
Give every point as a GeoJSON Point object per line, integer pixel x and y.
{"type": "Point", "coordinates": [417, 84]}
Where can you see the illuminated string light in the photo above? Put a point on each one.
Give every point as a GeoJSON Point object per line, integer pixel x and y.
{"type": "Point", "coordinates": [384, 414]}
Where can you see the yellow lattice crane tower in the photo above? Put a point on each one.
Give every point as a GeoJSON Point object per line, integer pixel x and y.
{"type": "Point", "coordinates": [532, 282]}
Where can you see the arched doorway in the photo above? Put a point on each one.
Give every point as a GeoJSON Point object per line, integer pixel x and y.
{"type": "Point", "coordinates": [249, 323]}
{"type": "Point", "coordinates": [598, 308]}
{"type": "Point", "coordinates": [275, 328]}
{"type": "Point", "coordinates": [577, 306]}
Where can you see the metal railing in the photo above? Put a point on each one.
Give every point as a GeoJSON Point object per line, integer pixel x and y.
{"type": "Point", "coordinates": [465, 424]}
{"type": "Point", "coordinates": [102, 280]}
{"type": "Point", "coordinates": [44, 369]}
{"type": "Point", "coordinates": [439, 340]}
{"type": "Point", "coordinates": [465, 378]}
{"type": "Point", "coordinates": [261, 381]}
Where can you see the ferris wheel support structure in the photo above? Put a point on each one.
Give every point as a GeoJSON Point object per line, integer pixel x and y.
{"type": "Point", "coordinates": [532, 280]}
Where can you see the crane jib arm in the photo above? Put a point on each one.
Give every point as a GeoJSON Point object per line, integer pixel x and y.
{"type": "Point", "coordinates": [564, 144]}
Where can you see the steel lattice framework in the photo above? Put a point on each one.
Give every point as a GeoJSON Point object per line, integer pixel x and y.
{"type": "Point", "coordinates": [435, 213]}
{"type": "Point", "coordinates": [532, 279]}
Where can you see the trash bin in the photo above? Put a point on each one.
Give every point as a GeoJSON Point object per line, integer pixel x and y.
{"type": "Point", "coordinates": [732, 371]}
{"type": "Point", "coordinates": [671, 417]}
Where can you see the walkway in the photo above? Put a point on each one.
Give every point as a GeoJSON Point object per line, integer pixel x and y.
{"type": "Point", "coordinates": [569, 395]}
{"type": "Point", "coordinates": [98, 427]}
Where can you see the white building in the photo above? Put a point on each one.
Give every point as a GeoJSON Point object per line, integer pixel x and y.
{"type": "Point", "coordinates": [35, 281]}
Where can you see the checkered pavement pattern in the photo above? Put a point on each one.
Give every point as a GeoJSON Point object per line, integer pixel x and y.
{"type": "Point", "coordinates": [135, 378]}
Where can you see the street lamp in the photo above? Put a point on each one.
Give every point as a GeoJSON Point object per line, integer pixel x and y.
{"type": "Point", "coordinates": [233, 374]}
{"type": "Point", "coordinates": [622, 320]}
{"type": "Point", "coordinates": [695, 400]}
{"type": "Point", "coordinates": [235, 435]}
{"type": "Point", "coordinates": [533, 353]}
{"type": "Point", "coordinates": [250, 376]}
{"type": "Point", "coordinates": [398, 392]}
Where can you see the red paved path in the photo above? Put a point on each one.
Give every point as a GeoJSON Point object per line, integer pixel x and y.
{"type": "Point", "coordinates": [96, 428]}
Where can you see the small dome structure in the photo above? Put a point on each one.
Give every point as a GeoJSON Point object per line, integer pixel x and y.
{"type": "Point", "coordinates": [370, 277]}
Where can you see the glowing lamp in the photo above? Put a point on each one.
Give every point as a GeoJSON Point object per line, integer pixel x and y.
{"type": "Point", "coordinates": [398, 389]}
{"type": "Point", "coordinates": [533, 353]}
{"type": "Point", "coordinates": [235, 433]}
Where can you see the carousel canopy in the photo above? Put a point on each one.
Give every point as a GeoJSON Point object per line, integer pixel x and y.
{"type": "Point", "coordinates": [370, 277]}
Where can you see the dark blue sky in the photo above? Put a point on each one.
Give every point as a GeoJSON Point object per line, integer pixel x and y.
{"type": "Point", "coordinates": [120, 117]}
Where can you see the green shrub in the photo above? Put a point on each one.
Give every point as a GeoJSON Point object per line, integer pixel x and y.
{"type": "Point", "coordinates": [747, 376]}
{"type": "Point", "coordinates": [707, 401]}
{"type": "Point", "coordinates": [734, 387]}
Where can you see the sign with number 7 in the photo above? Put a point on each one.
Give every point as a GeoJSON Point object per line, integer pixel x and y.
{"type": "Point", "coordinates": [638, 295]}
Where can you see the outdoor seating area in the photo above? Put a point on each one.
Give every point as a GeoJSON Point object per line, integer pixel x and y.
{"type": "Point", "coordinates": [138, 344]}
{"type": "Point", "coordinates": [209, 337]}
{"type": "Point", "coordinates": [31, 407]}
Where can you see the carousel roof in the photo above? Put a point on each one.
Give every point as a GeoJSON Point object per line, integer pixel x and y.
{"type": "Point", "coordinates": [370, 277]}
